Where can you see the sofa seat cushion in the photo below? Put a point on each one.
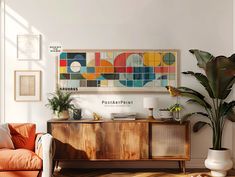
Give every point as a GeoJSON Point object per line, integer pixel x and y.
{"type": "Point", "coordinates": [19, 159]}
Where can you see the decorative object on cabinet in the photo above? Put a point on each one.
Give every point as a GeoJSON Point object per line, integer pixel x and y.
{"type": "Point", "coordinates": [175, 109]}
{"type": "Point", "coordinates": [27, 85]}
{"type": "Point", "coordinates": [117, 70]}
{"type": "Point", "coordinates": [77, 113]}
{"type": "Point", "coordinates": [124, 116]}
{"type": "Point", "coordinates": [218, 81]}
{"type": "Point", "coordinates": [127, 141]}
{"type": "Point", "coordinates": [60, 103]}
{"type": "Point", "coordinates": [28, 47]}
{"type": "Point", "coordinates": [96, 116]}
{"type": "Point", "coordinates": [164, 114]}
{"type": "Point", "coordinates": [150, 103]}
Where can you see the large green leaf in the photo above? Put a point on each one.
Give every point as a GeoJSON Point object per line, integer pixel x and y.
{"type": "Point", "coordinates": [187, 116]}
{"type": "Point", "coordinates": [190, 93]}
{"type": "Point", "coordinates": [232, 57]}
{"type": "Point", "coordinates": [220, 72]}
{"type": "Point", "coordinates": [186, 89]}
{"type": "Point", "coordinates": [231, 115]}
{"type": "Point", "coordinates": [225, 108]}
{"type": "Point", "coordinates": [195, 97]}
{"type": "Point", "coordinates": [195, 102]}
{"type": "Point", "coordinates": [203, 80]}
{"type": "Point", "coordinates": [197, 126]}
{"type": "Point", "coordinates": [202, 57]}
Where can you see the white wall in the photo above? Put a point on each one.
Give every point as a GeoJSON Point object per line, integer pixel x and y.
{"type": "Point", "coordinates": [233, 149]}
{"type": "Point", "coordinates": [115, 24]}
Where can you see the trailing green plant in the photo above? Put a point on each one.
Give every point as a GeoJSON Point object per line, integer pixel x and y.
{"type": "Point", "coordinates": [176, 107]}
{"type": "Point", "coordinates": [60, 101]}
{"type": "Point", "coordinates": [218, 81]}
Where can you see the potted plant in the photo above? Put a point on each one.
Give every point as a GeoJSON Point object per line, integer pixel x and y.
{"type": "Point", "coordinates": [175, 109]}
{"type": "Point", "coordinates": [60, 104]}
{"type": "Point", "coordinates": [218, 80]}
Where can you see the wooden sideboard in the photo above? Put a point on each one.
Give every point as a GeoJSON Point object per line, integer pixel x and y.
{"type": "Point", "coordinates": [108, 140]}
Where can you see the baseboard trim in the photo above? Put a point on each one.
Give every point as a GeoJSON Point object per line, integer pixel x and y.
{"type": "Point", "coordinates": [196, 163]}
{"type": "Point", "coordinates": [193, 163]}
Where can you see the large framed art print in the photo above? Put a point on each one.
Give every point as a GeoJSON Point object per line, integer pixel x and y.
{"type": "Point", "coordinates": [117, 70]}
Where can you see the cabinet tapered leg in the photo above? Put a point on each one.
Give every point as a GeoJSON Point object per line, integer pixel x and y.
{"type": "Point", "coordinates": [180, 166]}
{"type": "Point", "coordinates": [184, 167]}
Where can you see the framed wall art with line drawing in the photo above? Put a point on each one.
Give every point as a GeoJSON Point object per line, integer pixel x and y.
{"type": "Point", "coordinates": [28, 47]}
{"type": "Point", "coordinates": [27, 85]}
{"type": "Point", "coordinates": [117, 70]}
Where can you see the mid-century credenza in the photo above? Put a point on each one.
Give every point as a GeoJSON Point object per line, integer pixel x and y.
{"type": "Point", "coordinates": [127, 140]}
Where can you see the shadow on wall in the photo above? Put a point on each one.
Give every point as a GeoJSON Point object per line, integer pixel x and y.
{"type": "Point", "coordinates": [15, 24]}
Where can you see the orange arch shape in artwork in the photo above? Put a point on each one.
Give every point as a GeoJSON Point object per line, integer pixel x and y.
{"type": "Point", "coordinates": [91, 76]}
{"type": "Point", "coordinates": [105, 67]}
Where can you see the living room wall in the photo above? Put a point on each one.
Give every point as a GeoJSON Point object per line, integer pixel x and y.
{"type": "Point", "coordinates": [113, 24]}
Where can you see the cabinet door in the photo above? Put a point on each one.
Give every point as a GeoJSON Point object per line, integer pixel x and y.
{"type": "Point", "coordinates": [75, 140]}
{"type": "Point", "coordinates": [105, 140]}
{"type": "Point", "coordinates": [170, 141]}
{"type": "Point", "coordinates": [125, 141]}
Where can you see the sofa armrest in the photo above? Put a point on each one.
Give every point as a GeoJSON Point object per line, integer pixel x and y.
{"type": "Point", "coordinates": [45, 148]}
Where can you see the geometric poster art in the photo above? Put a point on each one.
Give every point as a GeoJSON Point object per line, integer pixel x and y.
{"type": "Point", "coordinates": [117, 70]}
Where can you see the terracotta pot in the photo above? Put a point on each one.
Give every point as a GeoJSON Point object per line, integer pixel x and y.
{"type": "Point", "coordinates": [219, 162]}
{"type": "Point", "coordinates": [62, 115]}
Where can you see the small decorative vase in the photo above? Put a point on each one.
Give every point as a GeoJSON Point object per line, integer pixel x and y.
{"type": "Point", "coordinates": [77, 114]}
{"type": "Point", "coordinates": [219, 162]}
{"type": "Point", "coordinates": [62, 115]}
{"type": "Point", "coordinates": [176, 115]}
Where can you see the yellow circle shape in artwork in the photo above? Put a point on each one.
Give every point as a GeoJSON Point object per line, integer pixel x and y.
{"type": "Point", "coordinates": [152, 59]}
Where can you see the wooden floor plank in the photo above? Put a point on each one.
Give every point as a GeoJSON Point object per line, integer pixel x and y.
{"type": "Point", "coordinates": [133, 173]}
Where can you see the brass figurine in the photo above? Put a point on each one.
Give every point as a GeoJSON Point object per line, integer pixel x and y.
{"type": "Point", "coordinates": [96, 116]}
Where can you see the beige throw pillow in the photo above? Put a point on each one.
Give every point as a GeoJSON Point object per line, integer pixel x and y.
{"type": "Point", "coordinates": [5, 137]}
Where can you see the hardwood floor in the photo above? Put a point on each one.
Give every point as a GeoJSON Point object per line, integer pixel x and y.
{"type": "Point", "coordinates": [134, 173]}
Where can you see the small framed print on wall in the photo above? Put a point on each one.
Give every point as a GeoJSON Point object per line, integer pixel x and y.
{"type": "Point", "coordinates": [28, 47]}
{"type": "Point", "coordinates": [27, 85]}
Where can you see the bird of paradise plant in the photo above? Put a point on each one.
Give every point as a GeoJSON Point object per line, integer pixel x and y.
{"type": "Point", "coordinates": [218, 81]}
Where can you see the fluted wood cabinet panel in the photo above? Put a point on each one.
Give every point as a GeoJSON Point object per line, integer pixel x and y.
{"type": "Point", "coordinates": [101, 140]}
{"type": "Point", "coordinates": [170, 141]}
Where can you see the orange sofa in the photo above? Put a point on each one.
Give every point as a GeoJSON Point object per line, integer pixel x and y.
{"type": "Point", "coordinates": [29, 158]}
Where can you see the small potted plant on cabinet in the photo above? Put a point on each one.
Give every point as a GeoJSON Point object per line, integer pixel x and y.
{"type": "Point", "coordinates": [60, 104]}
{"type": "Point", "coordinates": [175, 109]}
{"type": "Point", "coordinates": [218, 82]}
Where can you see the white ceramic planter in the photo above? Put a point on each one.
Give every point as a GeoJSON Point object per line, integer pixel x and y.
{"type": "Point", "coordinates": [219, 162]}
{"type": "Point", "coordinates": [62, 115]}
